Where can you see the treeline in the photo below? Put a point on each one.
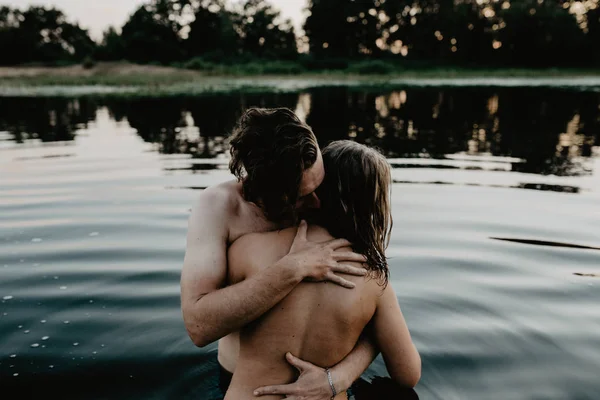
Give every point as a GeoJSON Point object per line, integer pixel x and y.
{"type": "Point", "coordinates": [490, 33]}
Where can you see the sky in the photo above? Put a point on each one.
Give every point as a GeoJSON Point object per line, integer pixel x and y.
{"type": "Point", "coordinates": [97, 15]}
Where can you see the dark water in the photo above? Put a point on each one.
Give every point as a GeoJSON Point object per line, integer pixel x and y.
{"type": "Point", "coordinates": [494, 255]}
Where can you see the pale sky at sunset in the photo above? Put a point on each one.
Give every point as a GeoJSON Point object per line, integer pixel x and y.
{"type": "Point", "coordinates": [97, 15]}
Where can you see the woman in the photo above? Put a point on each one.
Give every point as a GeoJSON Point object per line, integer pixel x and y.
{"type": "Point", "coordinates": [321, 323]}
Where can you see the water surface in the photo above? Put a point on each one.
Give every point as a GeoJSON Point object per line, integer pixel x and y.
{"type": "Point", "coordinates": [494, 253]}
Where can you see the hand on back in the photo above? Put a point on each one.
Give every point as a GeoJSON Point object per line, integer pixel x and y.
{"type": "Point", "coordinates": [322, 261]}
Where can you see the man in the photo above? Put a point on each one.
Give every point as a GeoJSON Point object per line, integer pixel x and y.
{"type": "Point", "coordinates": [279, 165]}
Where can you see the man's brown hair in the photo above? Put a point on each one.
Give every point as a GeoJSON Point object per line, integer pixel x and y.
{"type": "Point", "coordinates": [270, 149]}
{"type": "Point", "coordinates": [355, 201]}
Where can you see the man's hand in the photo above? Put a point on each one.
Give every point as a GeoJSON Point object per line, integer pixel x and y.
{"type": "Point", "coordinates": [312, 384]}
{"type": "Point", "coordinates": [320, 261]}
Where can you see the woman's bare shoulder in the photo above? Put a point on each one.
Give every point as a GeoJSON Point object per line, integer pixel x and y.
{"type": "Point", "coordinates": [317, 233]}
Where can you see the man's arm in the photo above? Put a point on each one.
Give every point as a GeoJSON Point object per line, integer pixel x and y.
{"type": "Point", "coordinates": [354, 364]}
{"type": "Point", "coordinates": [210, 310]}
{"type": "Point", "coordinates": [313, 384]}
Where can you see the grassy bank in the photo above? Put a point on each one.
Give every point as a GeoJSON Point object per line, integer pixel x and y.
{"type": "Point", "coordinates": [196, 78]}
{"type": "Point", "coordinates": [132, 74]}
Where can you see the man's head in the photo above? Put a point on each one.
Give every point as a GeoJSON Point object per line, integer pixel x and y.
{"type": "Point", "coordinates": [277, 158]}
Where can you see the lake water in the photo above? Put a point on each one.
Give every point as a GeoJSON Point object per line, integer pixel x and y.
{"type": "Point", "coordinates": [495, 245]}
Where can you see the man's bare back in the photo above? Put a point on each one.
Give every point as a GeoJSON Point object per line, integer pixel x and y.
{"type": "Point", "coordinates": [318, 322]}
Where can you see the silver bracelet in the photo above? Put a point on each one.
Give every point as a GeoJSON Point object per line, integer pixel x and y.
{"type": "Point", "coordinates": [331, 383]}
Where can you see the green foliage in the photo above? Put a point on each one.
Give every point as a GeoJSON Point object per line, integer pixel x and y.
{"type": "Point", "coordinates": [262, 36]}
{"type": "Point", "coordinates": [342, 28]}
{"type": "Point", "coordinates": [257, 67]}
{"type": "Point", "coordinates": [223, 36]}
{"type": "Point", "coordinates": [280, 68]}
{"type": "Point", "coordinates": [151, 35]}
{"type": "Point", "coordinates": [41, 35]}
{"type": "Point", "coordinates": [88, 63]}
{"type": "Point", "coordinates": [199, 64]}
{"type": "Point", "coordinates": [372, 67]}
{"type": "Point", "coordinates": [310, 62]}
{"type": "Point", "coordinates": [212, 32]}
{"type": "Point", "coordinates": [539, 35]}
{"type": "Point", "coordinates": [112, 47]}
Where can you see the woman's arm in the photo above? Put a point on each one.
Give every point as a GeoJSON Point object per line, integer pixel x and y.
{"type": "Point", "coordinates": [391, 333]}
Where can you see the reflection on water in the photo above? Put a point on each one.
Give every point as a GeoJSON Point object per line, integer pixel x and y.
{"type": "Point", "coordinates": [547, 243]}
{"type": "Point", "coordinates": [493, 254]}
{"type": "Point", "coordinates": [546, 131]}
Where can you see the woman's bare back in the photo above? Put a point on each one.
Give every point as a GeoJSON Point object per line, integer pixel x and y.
{"type": "Point", "coordinates": [317, 322]}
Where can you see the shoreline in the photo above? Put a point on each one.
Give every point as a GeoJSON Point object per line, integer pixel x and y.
{"type": "Point", "coordinates": [131, 79]}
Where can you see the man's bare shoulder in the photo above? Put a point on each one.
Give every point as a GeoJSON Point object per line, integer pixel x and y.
{"type": "Point", "coordinates": [220, 198]}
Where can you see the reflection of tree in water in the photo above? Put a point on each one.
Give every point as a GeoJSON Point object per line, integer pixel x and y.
{"type": "Point", "coordinates": [402, 124]}
{"type": "Point", "coordinates": [216, 116]}
{"type": "Point", "coordinates": [329, 115]}
{"type": "Point", "coordinates": [156, 120]}
{"type": "Point", "coordinates": [46, 119]}
{"type": "Point", "coordinates": [191, 125]}
{"type": "Point", "coordinates": [588, 109]}
{"type": "Point", "coordinates": [539, 126]}
{"type": "Point", "coordinates": [550, 129]}
{"type": "Point", "coordinates": [429, 122]}
{"type": "Point", "coordinates": [546, 128]}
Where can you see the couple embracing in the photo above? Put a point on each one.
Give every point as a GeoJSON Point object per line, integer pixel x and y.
{"type": "Point", "coordinates": [286, 266]}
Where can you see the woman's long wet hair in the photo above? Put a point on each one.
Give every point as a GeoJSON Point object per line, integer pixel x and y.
{"type": "Point", "coordinates": [355, 201]}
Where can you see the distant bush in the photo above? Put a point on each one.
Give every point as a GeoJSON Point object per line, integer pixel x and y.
{"type": "Point", "coordinates": [199, 64]}
{"type": "Point", "coordinates": [215, 57]}
{"type": "Point", "coordinates": [282, 67]}
{"type": "Point", "coordinates": [88, 63]}
{"type": "Point", "coordinates": [51, 63]}
{"type": "Point", "coordinates": [372, 67]}
{"type": "Point", "coordinates": [313, 63]}
{"type": "Point", "coordinates": [253, 68]}
{"type": "Point", "coordinates": [242, 67]}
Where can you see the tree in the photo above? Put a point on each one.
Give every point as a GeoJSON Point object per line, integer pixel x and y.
{"type": "Point", "coordinates": [263, 35]}
{"type": "Point", "coordinates": [11, 45]}
{"type": "Point", "coordinates": [41, 35]}
{"type": "Point", "coordinates": [112, 47]}
{"type": "Point", "coordinates": [152, 33]}
{"type": "Point", "coordinates": [343, 28]}
{"type": "Point", "coordinates": [212, 31]}
{"type": "Point", "coordinates": [77, 41]}
{"type": "Point", "coordinates": [593, 35]}
{"type": "Point", "coordinates": [539, 35]}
